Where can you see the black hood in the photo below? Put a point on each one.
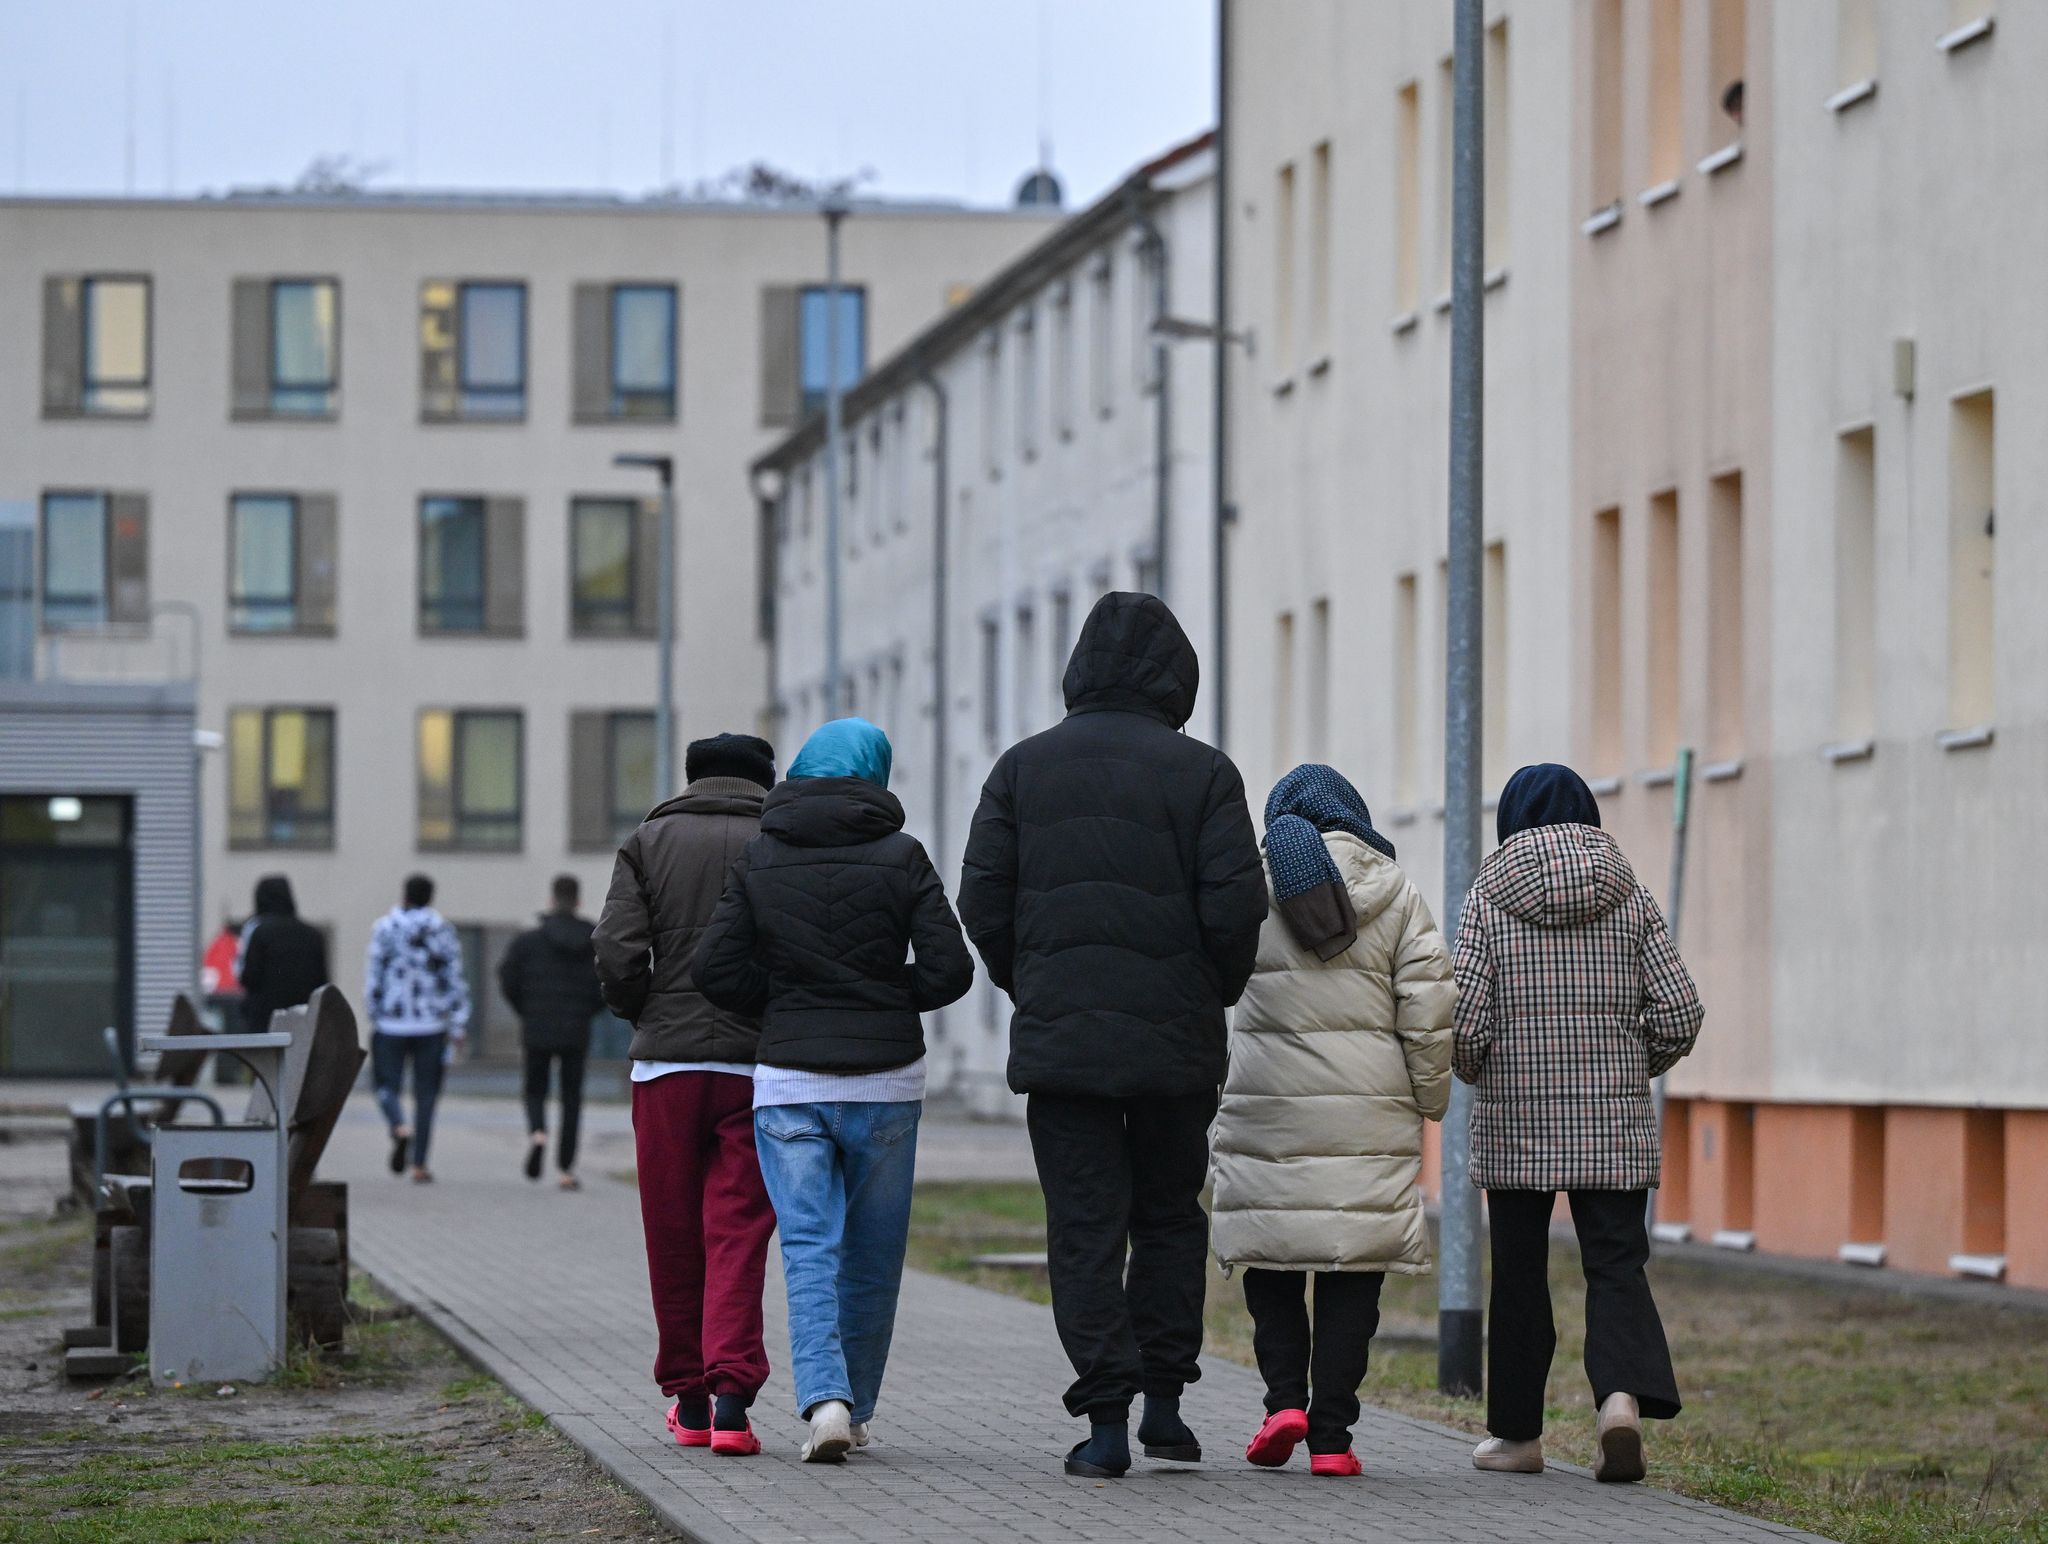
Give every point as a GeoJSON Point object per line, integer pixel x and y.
{"type": "Point", "coordinates": [1133, 656]}
{"type": "Point", "coordinates": [714, 796]}
{"type": "Point", "coordinates": [274, 897]}
{"type": "Point", "coordinates": [830, 812]}
{"type": "Point", "coordinates": [567, 933]}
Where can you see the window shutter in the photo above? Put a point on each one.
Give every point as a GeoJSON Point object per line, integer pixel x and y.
{"type": "Point", "coordinates": [316, 560]}
{"type": "Point", "coordinates": [438, 390]}
{"type": "Point", "coordinates": [781, 391]}
{"type": "Point", "coordinates": [250, 349]}
{"type": "Point", "coordinates": [63, 346]}
{"type": "Point", "coordinates": [505, 565]}
{"type": "Point", "coordinates": [647, 568]}
{"type": "Point", "coordinates": [128, 559]}
{"type": "Point", "coordinates": [590, 325]}
{"type": "Point", "coordinates": [590, 800]}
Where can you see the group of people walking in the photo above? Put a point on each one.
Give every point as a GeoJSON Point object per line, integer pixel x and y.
{"type": "Point", "coordinates": [775, 943]}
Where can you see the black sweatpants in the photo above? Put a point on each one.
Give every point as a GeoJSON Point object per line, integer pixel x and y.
{"type": "Point", "coordinates": [1331, 1362]}
{"type": "Point", "coordinates": [537, 1058]}
{"type": "Point", "coordinates": [1118, 1174]}
{"type": "Point", "coordinates": [1625, 1348]}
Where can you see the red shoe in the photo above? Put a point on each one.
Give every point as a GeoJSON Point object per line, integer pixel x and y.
{"type": "Point", "coordinates": [685, 1436]}
{"type": "Point", "coordinates": [1274, 1444]}
{"type": "Point", "coordinates": [1344, 1464]}
{"type": "Point", "coordinates": [736, 1444]}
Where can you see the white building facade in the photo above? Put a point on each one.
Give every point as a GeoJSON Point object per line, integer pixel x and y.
{"type": "Point", "coordinates": [1043, 444]}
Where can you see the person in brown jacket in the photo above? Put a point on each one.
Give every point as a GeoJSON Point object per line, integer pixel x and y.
{"type": "Point", "coordinates": [702, 1203]}
{"type": "Point", "coordinates": [1571, 999]}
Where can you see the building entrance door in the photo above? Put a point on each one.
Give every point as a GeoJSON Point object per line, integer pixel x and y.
{"type": "Point", "coordinates": [67, 943]}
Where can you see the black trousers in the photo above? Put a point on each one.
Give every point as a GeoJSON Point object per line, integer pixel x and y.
{"type": "Point", "coordinates": [1625, 1348]}
{"type": "Point", "coordinates": [1118, 1175]}
{"type": "Point", "coordinates": [537, 1058]}
{"type": "Point", "coordinates": [1331, 1362]}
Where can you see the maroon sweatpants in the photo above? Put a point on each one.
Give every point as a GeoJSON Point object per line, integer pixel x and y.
{"type": "Point", "coordinates": [707, 1220]}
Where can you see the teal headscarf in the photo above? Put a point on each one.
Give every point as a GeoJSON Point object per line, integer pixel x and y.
{"type": "Point", "coordinates": [846, 747]}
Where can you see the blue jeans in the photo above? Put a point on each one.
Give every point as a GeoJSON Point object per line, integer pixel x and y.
{"type": "Point", "coordinates": [388, 1057]}
{"type": "Point", "coordinates": [839, 1176]}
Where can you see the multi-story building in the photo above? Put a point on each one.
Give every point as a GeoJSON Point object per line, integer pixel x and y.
{"type": "Point", "coordinates": [1752, 328]}
{"type": "Point", "coordinates": [353, 459]}
{"type": "Point", "coordinates": [1042, 444]}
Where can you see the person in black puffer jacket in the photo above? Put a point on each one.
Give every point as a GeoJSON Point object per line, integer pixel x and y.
{"type": "Point", "coordinates": [284, 960]}
{"type": "Point", "coordinates": [1114, 888]}
{"type": "Point", "coordinates": [835, 929]}
{"type": "Point", "coordinates": [549, 976]}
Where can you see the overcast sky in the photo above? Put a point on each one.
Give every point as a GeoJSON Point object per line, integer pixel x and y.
{"type": "Point", "coordinates": [939, 97]}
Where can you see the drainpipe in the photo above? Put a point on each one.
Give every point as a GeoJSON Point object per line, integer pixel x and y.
{"type": "Point", "coordinates": [1219, 668]}
{"type": "Point", "coordinates": [1152, 244]}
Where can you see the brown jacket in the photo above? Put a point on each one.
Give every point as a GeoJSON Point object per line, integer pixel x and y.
{"type": "Point", "coordinates": [665, 884]}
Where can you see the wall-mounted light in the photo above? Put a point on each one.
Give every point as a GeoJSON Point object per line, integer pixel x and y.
{"type": "Point", "coordinates": [64, 809]}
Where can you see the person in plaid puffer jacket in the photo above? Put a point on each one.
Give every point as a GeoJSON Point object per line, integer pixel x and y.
{"type": "Point", "coordinates": [1571, 999]}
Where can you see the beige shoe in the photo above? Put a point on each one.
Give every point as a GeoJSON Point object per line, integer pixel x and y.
{"type": "Point", "coordinates": [831, 1434]}
{"type": "Point", "coordinates": [1497, 1455]}
{"type": "Point", "coordinates": [1620, 1459]}
{"type": "Point", "coordinates": [860, 1433]}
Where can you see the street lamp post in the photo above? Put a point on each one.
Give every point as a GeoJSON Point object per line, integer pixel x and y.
{"type": "Point", "coordinates": [834, 210]}
{"type": "Point", "coordinates": [1460, 1320]}
{"type": "Point", "coordinates": [665, 624]}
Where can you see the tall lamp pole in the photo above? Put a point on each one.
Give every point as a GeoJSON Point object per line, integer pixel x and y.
{"type": "Point", "coordinates": [1460, 1321]}
{"type": "Point", "coordinates": [834, 210]}
{"type": "Point", "coordinates": [665, 626]}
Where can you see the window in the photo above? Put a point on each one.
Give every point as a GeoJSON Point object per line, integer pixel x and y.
{"type": "Point", "coordinates": [643, 351]}
{"type": "Point", "coordinates": [96, 346]}
{"type": "Point", "coordinates": [614, 568]}
{"type": "Point", "coordinates": [992, 402]}
{"type": "Point", "coordinates": [281, 563]}
{"type": "Point", "coordinates": [1608, 754]}
{"type": "Point", "coordinates": [1972, 558]}
{"type": "Point", "coordinates": [1101, 330]}
{"type": "Point", "coordinates": [814, 334]}
{"type": "Point", "coordinates": [1317, 738]}
{"type": "Point", "coordinates": [1728, 44]}
{"type": "Point", "coordinates": [1024, 656]}
{"type": "Point", "coordinates": [17, 595]}
{"type": "Point", "coordinates": [1063, 361]}
{"type": "Point", "coordinates": [1319, 237]}
{"type": "Point", "coordinates": [473, 350]}
{"type": "Point", "coordinates": [1724, 617]}
{"type": "Point", "coordinates": [281, 777]}
{"type": "Point", "coordinates": [1060, 634]}
{"type": "Point", "coordinates": [1446, 137]}
{"type": "Point", "coordinates": [95, 560]}
{"type": "Point", "coordinates": [470, 782]}
{"type": "Point", "coordinates": [1027, 386]}
{"type": "Point", "coordinates": [991, 682]}
{"type": "Point", "coordinates": [1856, 585]}
{"type": "Point", "coordinates": [472, 559]}
{"type": "Point", "coordinates": [1663, 612]}
{"type": "Point", "coordinates": [1407, 681]}
{"type": "Point", "coordinates": [305, 346]}
{"type": "Point", "coordinates": [1283, 271]}
{"type": "Point", "coordinates": [1855, 42]}
{"type": "Point", "coordinates": [611, 777]}
{"type": "Point", "coordinates": [1493, 680]}
{"type": "Point", "coordinates": [1667, 91]}
{"type": "Point", "coordinates": [1283, 691]}
{"type": "Point", "coordinates": [1498, 171]}
{"type": "Point", "coordinates": [1407, 200]}
{"type": "Point", "coordinates": [1603, 165]}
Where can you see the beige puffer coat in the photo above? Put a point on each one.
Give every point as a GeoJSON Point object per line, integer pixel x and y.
{"type": "Point", "coordinates": [1333, 1067]}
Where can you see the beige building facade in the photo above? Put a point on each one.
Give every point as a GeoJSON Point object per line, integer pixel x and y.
{"type": "Point", "coordinates": [1754, 328]}
{"type": "Point", "coordinates": [364, 448]}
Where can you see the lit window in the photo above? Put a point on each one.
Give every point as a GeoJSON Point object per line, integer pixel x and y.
{"type": "Point", "coordinates": [605, 580]}
{"type": "Point", "coordinates": [281, 777]}
{"type": "Point", "coordinates": [116, 346]}
{"type": "Point", "coordinates": [470, 781]}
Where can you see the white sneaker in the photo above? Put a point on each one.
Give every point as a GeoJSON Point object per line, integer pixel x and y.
{"type": "Point", "coordinates": [831, 1433]}
{"type": "Point", "coordinates": [1620, 1459]}
{"type": "Point", "coordinates": [1497, 1455]}
{"type": "Point", "coordinates": [860, 1433]}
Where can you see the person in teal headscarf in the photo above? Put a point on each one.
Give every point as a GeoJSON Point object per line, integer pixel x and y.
{"type": "Point", "coordinates": [846, 747]}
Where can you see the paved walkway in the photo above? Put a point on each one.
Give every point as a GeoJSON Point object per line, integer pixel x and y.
{"type": "Point", "coordinates": [548, 1290]}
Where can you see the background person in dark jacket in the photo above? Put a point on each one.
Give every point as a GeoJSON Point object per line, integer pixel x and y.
{"type": "Point", "coordinates": [550, 979]}
{"type": "Point", "coordinates": [702, 1205]}
{"type": "Point", "coordinates": [835, 928]}
{"type": "Point", "coordinates": [1114, 888]}
{"type": "Point", "coordinates": [284, 960]}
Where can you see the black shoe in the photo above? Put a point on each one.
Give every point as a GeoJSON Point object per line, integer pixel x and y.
{"type": "Point", "coordinates": [536, 1155]}
{"type": "Point", "coordinates": [401, 1145]}
{"type": "Point", "coordinates": [1163, 1434]}
{"type": "Point", "coordinates": [1106, 1455]}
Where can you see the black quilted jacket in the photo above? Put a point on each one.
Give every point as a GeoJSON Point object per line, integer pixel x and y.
{"type": "Point", "coordinates": [1111, 880]}
{"type": "Point", "coordinates": [834, 928]}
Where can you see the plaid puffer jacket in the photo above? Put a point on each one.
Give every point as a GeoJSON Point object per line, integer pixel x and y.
{"type": "Point", "coordinates": [1571, 998]}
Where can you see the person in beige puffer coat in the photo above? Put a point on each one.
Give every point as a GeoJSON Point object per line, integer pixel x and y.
{"type": "Point", "coordinates": [1339, 1052]}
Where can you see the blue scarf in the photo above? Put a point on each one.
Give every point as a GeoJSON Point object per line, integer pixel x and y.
{"type": "Point", "coordinates": [1307, 802]}
{"type": "Point", "coordinates": [846, 747]}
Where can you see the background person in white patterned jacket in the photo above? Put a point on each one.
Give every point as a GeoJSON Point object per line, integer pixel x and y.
{"type": "Point", "coordinates": [418, 1004]}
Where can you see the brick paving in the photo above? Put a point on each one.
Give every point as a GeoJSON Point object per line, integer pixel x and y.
{"type": "Point", "coordinates": [548, 1291]}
